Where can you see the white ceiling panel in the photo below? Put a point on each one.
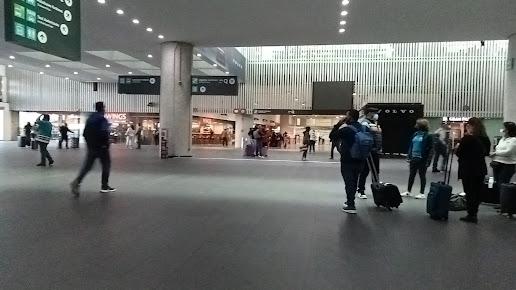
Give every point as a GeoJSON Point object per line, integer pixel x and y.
{"type": "Point", "coordinates": [152, 72]}
{"type": "Point", "coordinates": [103, 73]}
{"type": "Point", "coordinates": [41, 56]}
{"type": "Point", "coordinates": [137, 65]}
{"type": "Point", "coordinates": [112, 55]}
{"type": "Point", "coordinates": [75, 65]}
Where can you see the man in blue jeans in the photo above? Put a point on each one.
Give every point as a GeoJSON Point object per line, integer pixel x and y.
{"type": "Point", "coordinates": [349, 167]}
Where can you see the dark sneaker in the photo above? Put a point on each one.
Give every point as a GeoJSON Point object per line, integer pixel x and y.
{"type": "Point", "coordinates": [41, 165]}
{"type": "Point", "coordinates": [436, 171]}
{"type": "Point", "coordinates": [51, 163]}
{"type": "Point", "coordinates": [469, 219]}
{"type": "Point", "coordinates": [349, 209]}
{"type": "Point", "coordinates": [75, 187]}
{"type": "Point", "coordinates": [107, 189]}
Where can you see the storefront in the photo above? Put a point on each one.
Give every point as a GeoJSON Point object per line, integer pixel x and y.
{"type": "Point", "coordinates": [208, 131]}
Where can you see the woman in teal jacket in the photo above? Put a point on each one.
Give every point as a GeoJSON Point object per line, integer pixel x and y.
{"type": "Point", "coordinates": [44, 134]}
{"type": "Point", "coordinates": [419, 156]}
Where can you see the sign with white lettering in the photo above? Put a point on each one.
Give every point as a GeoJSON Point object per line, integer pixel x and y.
{"type": "Point", "coordinates": [139, 85]}
{"type": "Point", "coordinates": [50, 26]}
{"type": "Point", "coordinates": [215, 85]}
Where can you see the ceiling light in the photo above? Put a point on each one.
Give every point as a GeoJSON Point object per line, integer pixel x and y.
{"type": "Point", "coordinates": [344, 13]}
{"type": "Point", "coordinates": [342, 30]}
{"type": "Point", "coordinates": [161, 36]}
{"type": "Point", "coordinates": [75, 73]}
{"type": "Point", "coordinates": [67, 78]}
{"type": "Point", "coordinates": [199, 55]}
{"type": "Point", "coordinates": [302, 104]}
{"type": "Point", "coordinates": [136, 21]}
{"type": "Point", "coordinates": [102, 1]}
{"type": "Point", "coordinates": [342, 22]}
{"type": "Point", "coordinates": [47, 65]}
{"type": "Point", "coordinates": [41, 73]}
{"type": "Point", "coordinates": [98, 79]}
{"type": "Point", "coordinates": [227, 72]}
{"type": "Point", "coordinates": [149, 29]}
{"type": "Point", "coordinates": [215, 65]}
{"type": "Point", "coordinates": [120, 12]}
{"type": "Point", "coordinates": [130, 73]}
{"type": "Point", "coordinates": [108, 65]}
{"type": "Point", "coordinates": [149, 56]}
{"type": "Point", "coordinates": [12, 57]}
{"type": "Point", "coordinates": [10, 65]}
{"type": "Point", "coordinates": [345, 2]}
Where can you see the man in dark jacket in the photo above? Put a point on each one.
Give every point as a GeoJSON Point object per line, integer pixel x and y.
{"type": "Point", "coordinates": [350, 167]}
{"type": "Point", "coordinates": [334, 137]}
{"type": "Point", "coordinates": [63, 130]}
{"type": "Point", "coordinates": [96, 134]}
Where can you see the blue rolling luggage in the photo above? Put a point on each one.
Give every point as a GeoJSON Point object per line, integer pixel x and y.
{"type": "Point", "coordinates": [438, 201]}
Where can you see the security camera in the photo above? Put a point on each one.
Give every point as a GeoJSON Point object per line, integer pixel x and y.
{"type": "Point", "coordinates": [483, 43]}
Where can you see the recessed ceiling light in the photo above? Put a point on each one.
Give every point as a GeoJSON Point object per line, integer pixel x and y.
{"type": "Point", "coordinates": [215, 65]}
{"type": "Point", "coordinates": [47, 65]}
{"type": "Point", "coordinates": [302, 104]}
{"type": "Point", "coordinates": [75, 73]}
{"type": "Point", "coordinates": [199, 55]}
{"type": "Point", "coordinates": [342, 30]}
{"type": "Point", "coordinates": [98, 79]}
{"type": "Point", "coordinates": [149, 56]}
{"type": "Point", "coordinates": [102, 1]}
{"type": "Point", "coordinates": [344, 13]}
{"type": "Point", "coordinates": [12, 57]}
{"type": "Point", "coordinates": [345, 2]}
{"type": "Point", "coordinates": [108, 65]}
{"type": "Point", "coordinates": [10, 65]}
{"type": "Point", "coordinates": [67, 78]}
{"type": "Point", "coordinates": [149, 29]}
{"type": "Point", "coordinates": [161, 36]}
{"type": "Point", "coordinates": [136, 21]}
{"type": "Point", "coordinates": [227, 72]}
{"type": "Point", "coordinates": [120, 12]}
{"type": "Point", "coordinates": [41, 73]}
{"type": "Point", "coordinates": [130, 73]}
{"type": "Point", "coordinates": [343, 22]}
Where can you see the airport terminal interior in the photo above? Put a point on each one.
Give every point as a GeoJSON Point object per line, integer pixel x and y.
{"type": "Point", "coordinates": [222, 130]}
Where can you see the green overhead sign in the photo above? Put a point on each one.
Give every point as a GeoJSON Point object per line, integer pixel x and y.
{"type": "Point", "coordinates": [50, 26]}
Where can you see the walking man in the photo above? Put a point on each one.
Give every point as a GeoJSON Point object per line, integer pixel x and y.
{"type": "Point", "coordinates": [44, 134]}
{"type": "Point", "coordinates": [64, 135]}
{"type": "Point", "coordinates": [96, 134]}
{"type": "Point", "coordinates": [442, 137]}
{"type": "Point", "coordinates": [139, 131]}
{"type": "Point", "coordinates": [356, 144]}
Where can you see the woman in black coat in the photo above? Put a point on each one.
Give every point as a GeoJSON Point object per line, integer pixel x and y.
{"type": "Point", "coordinates": [472, 152]}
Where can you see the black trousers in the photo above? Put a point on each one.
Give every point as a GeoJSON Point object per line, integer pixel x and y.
{"type": "Point", "coordinates": [225, 141]}
{"type": "Point", "coordinates": [63, 138]}
{"type": "Point", "coordinates": [44, 153]}
{"type": "Point", "coordinates": [503, 173]}
{"type": "Point", "coordinates": [334, 145]}
{"type": "Point", "coordinates": [139, 141]}
{"type": "Point", "coordinates": [365, 171]}
{"type": "Point", "coordinates": [473, 186]}
{"type": "Point", "coordinates": [311, 146]}
{"type": "Point", "coordinates": [440, 150]}
{"type": "Point", "coordinates": [105, 160]}
{"type": "Point", "coordinates": [350, 172]}
{"type": "Point", "coordinates": [417, 166]}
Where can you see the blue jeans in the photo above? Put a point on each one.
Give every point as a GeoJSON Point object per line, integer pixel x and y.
{"type": "Point", "coordinates": [350, 172]}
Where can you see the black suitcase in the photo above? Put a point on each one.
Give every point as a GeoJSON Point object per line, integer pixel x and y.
{"type": "Point", "coordinates": [75, 142]}
{"type": "Point", "coordinates": [438, 200]}
{"type": "Point", "coordinates": [508, 198]}
{"type": "Point", "coordinates": [23, 141]}
{"type": "Point", "coordinates": [34, 145]}
{"type": "Point", "coordinates": [384, 194]}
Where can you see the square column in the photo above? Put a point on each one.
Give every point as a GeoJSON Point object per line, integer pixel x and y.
{"type": "Point", "coordinates": [509, 102]}
{"type": "Point", "coordinates": [176, 97]}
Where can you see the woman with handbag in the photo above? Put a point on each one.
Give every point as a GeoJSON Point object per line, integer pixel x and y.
{"type": "Point", "coordinates": [504, 156]}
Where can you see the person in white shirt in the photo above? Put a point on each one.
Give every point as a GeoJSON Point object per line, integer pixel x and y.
{"type": "Point", "coordinates": [504, 156]}
{"type": "Point", "coordinates": [442, 139]}
{"type": "Point", "coordinates": [313, 140]}
{"type": "Point", "coordinates": [131, 136]}
{"type": "Point", "coordinates": [370, 120]}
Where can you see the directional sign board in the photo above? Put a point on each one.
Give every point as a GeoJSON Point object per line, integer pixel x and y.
{"type": "Point", "coordinates": [50, 26]}
{"type": "Point", "coordinates": [139, 85]}
{"type": "Point", "coordinates": [215, 85]}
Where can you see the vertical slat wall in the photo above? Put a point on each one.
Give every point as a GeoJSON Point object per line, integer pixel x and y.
{"type": "Point", "coordinates": [450, 78]}
{"type": "Point", "coordinates": [30, 91]}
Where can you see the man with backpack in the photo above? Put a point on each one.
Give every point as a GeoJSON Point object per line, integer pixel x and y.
{"type": "Point", "coordinates": [356, 143]}
{"type": "Point", "coordinates": [96, 134]}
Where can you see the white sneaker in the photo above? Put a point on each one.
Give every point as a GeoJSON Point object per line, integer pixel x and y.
{"type": "Point", "coordinates": [420, 196]}
{"type": "Point", "coordinates": [405, 194]}
{"type": "Point", "coordinates": [362, 196]}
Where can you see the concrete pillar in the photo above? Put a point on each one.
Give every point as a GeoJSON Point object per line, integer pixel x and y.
{"type": "Point", "coordinates": [509, 106]}
{"type": "Point", "coordinates": [242, 125]}
{"type": "Point", "coordinates": [15, 126]}
{"type": "Point", "coordinates": [176, 97]}
{"type": "Point", "coordinates": [285, 124]}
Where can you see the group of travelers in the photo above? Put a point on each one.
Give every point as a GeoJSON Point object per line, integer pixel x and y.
{"type": "Point", "coordinates": [424, 147]}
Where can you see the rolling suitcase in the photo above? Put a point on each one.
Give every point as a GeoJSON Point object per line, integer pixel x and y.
{"type": "Point", "coordinates": [438, 200]}
{"type": "Point", "coordinates": [249, 149]}
{"type": "Point", "coordinates": [23, 141]}
{"type": "Point", "coordinates": [508, 198]}
{"type": "Point", "coordinates": [384, 194]}
{"type": "Point", "coordinates": [34, 145]}
{"type": "Point", "coordinates": [75, 142]}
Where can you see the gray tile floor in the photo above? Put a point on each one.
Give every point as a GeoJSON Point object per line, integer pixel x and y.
{"type": "Point", "coordinates": [219, 221]}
